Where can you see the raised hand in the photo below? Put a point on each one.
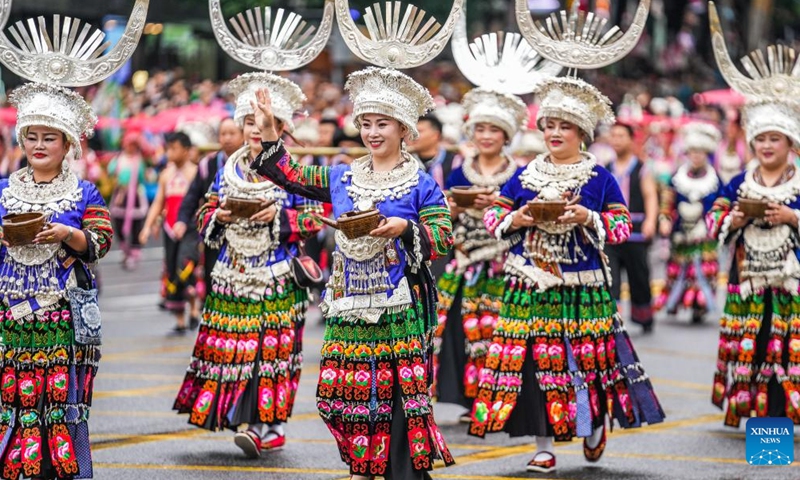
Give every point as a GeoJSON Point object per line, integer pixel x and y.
{"type": "Point", "coordinates": [265, 120]}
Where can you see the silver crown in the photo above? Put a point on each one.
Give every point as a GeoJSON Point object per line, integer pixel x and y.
{"type": "Point", "coordinates": [775, 77]}
{"type": "Point", "coordinates": [72, 55]}
{"type": "Point", "coordinates": [392, 42]}
{"type": "Point", "coordinates": [500, 61]}
{"type": "Point", "coordinates": [701, 136]}
{"type": "Point", "coordinates": [772, 88]}
{"type": "Point", "coordinates": [271, 44]}
{"type": "Point", "coordinates": [578, 41]}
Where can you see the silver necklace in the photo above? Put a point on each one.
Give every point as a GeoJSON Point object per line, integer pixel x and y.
{"type": "Point", "coordinates": [368, 188]}
{"type": "Point", "coordinates": [495, 180]}
{"type": "Point", "coordinates": [23, 194]}
{"type": "Point", "coordinates": [551, 180]}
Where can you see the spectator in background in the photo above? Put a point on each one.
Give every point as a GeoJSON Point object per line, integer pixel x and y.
{"type": "Point", "coordinates": [327, 129]}
{"type": "Point", "coordinates": [8, 161]}
{"type": "Point", "coordinates": [181, 254]}
{"type": "Point", "coordinates": [346, 137]}
{"type": "Point", "coordinates": [230, 140]}
{"type": "Point", "coordinates": [641, 194]}
{"type": "Point", "coordinates": [128, 205]}
{"type": "Point", "coordinates": [438, 162]}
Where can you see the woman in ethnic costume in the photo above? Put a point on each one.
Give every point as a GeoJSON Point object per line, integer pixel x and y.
{"type": "Point", "coordinates": [758, 365]}
{"type": "Point", "coordinates": [758, 360]}
{"type": "Point", "coordinates": [559, 346]}
{"type": "Point", "coordinates": [380, 302]}
{"type": "Point", "coordinates": [48, 296]}
{"type": "Point", "coordinates": [245, 368]}
{"type": "Point", "coordinates": [129, 199]}
{"type": "Point", "coordinates": [471, 288]}
{"type": "Point", "coordinates": [692, 265]}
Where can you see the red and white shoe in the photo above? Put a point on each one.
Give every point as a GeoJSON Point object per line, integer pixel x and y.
{"type": "Point", "coordinates": [249, 443]}
{"type": "Point", "coordinates": [593, 454]}
{"type": "Point", "coordinates": [542, 466]}
{"type": "Point", "coordinates": [273, 442]}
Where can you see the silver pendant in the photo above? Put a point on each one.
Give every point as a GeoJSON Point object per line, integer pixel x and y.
{"type": "Point", "coordinates": [364, 204]}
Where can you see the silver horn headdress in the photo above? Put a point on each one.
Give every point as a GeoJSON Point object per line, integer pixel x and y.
{"type": "Point", "coordinates": [393, 43]}
{"type": "Point", "coordinates": [771, 86]}
{"type": "Point", "coordinates": [500, 61]}
{"type": "Point", "coordinates": [578, 41]}
{"type": "Point", "coordinates": [270, 43]}
{"type": "Point", "coordinates": [70, 55]}
{"type": "Point", "coordinates": [502, 65]}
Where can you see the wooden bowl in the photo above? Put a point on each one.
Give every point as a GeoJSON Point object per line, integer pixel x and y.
{"type": "Point", "coordinates": [465, 196]}
{"type": "Point", "coordinates": [546, 210]}
{"type": "Point", "coordinates": [243, 207]}
{"type": "Point", "coordinates": [752, 208]}
{"type": "Point", "coordinates": [21, 228]}
{"type": "Point", "coordinates": [359, 224]}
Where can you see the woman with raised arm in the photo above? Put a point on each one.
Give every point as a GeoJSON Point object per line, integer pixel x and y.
{"type": "Point", "coordinates": [380, 302]}
{"type": "Point", "coordinates": [245, 369]}
{"type": "Point", "coordinates": [471, 288]}
{"type": "Point", "coordinates": [560, 361]}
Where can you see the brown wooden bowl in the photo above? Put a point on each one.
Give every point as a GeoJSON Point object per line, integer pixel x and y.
{"type": "Point", "coordinates": [244, 207]}
{"type": "Point", "coordinates": [465, 196]}
{"type": "Point", "coordinates": [546, 210]}
{"type": "Point", "coordinates": [21, 228]}
{"type": "Point", "coordinates": [356, 224]}
{"type": "Point", "coordinates": [752, 208]}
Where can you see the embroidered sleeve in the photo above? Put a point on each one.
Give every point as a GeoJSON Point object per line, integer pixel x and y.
{"type": "Point", "coordinates": [301, 221]}
{"type": "Point", "coordinates": [207, 224]}
{"type": "Point", "coordinates": [434, 233]}
{"type": "Point", "coordinates": [615, 217]}
{"type": "Point", "coordinates": [667, 207]}
{"type": "Point", "coordinates": [718, 218]}
{"type": "Point", "coordinates": [497, 217]}
{"type": "Point", "coordinates": [309, 181]}
{"type": "Point", "coordinates": [96, 225]}
{"type": "Point", "coordinates": [432, 237]}
{"type": "Point", "coordinates": [616, 222]}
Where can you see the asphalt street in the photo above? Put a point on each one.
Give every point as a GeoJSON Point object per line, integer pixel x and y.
{"type": "Point", "coordinates": [136, 435]}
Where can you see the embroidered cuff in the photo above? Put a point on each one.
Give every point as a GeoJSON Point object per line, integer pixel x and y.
{"type": "Point", "coordinates": [214, 232]}
{"type": "Point", "coordinates": [272, 152]}
{"type": "Point", "coordinates": [724, 229]}
{"type": "Point", "coordinates": [596, 221]}
{"type": "Point", "coordinates": [412, 234]}
{"type": "Point", "coordinates": [797, 214]}
{"type": "Point", "coordinates": [500, 231]}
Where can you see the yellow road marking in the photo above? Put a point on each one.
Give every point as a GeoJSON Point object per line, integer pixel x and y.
{"type": "Point", "coordinates": [132, 413]}
{"type": "Point", "coordinates": [137, 439]}
{"type": "Point", "coordinates": [145, 352]}
{"type": "Point", "coordinates": [140, 376]}
{"type": "Point", "coordinates": [312, 471]}
{"type": "Point", "coordinates": [682, 384]}
{"type": "Point", "coordinates": [673, 353]}
{"type": "Point", "coordinates": [133, 392]}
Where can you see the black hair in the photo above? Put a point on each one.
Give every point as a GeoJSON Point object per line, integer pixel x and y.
{"type": "Point", "coordinates": [181, 138]}
{"type": "Point", "coordinates": [340, 136]}
{"type": "Point", "coordinates": [626, 127]}
{"type": "Point", "coordinates": [329, 121]}
{"type": "Point", "coordinates": [435, 122]}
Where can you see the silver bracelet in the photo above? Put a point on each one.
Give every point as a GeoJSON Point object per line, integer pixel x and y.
{"type": "Point", "coordinates": [69, 235]}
